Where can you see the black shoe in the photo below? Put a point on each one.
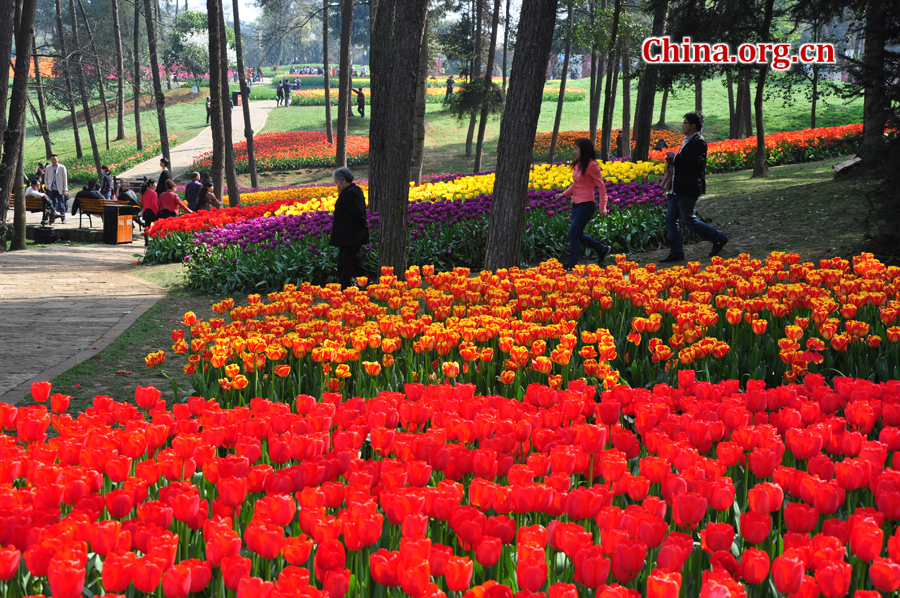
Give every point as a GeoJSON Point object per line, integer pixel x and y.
{"type": "Point", "coordinates": [717, 247]}
{"type": "Point", "coordinates": [672, 257]}
{"type": "Point", "coordinates": [602, 254]}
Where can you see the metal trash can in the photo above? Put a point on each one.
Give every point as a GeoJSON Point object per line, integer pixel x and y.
{"type": "Point", "coordinates": [235, 98]}
{"type": "Point", "coordinates": [117, 227]}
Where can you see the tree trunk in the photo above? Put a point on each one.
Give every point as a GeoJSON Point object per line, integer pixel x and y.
{"type": "Point", "coordinates": [737, 122]}
{"type": "Point", "coordinates": [505, 44]}
{"type": "Point", "coordinates": [234, 191]}
{"type": "Point", "coordinates": [418, 156]}
{"type": "Point", "coordinates": [328, 129]}
{"type": "Point", "coordinates": [42, 118]}
{"type": "Point", "coordinates": [562, 88]}
{"type": "Point", "coordinates": [136, 84]}
{"type": "Point", "coordinates": [729, 83]}
{"type": "Point", "coordinates": [517, 130]}
{"type": "Point", "coordinates": [698, 93]}
{"type": "Point", "coordinates": [14, 135]}
{"type": "Point", "coordinates": [242, 77]}
{"type": "Point", "coordinates": [815, 95]}
{"type": "Point", "coordinates": [874, 80]}
{"type": "Point", "coordinates": [609, 93]}
{"type": "Point", "coordinates": [61, 36]}
{"type": "Point", "coordinates": [82, 88]}
{"type": "Point", "coordinates": [760, 168]}
{"type": "Point", "coordinates": [7, 7]}
{"type": "Point", "coordinates": [662, 110]}
{"type": "Point", "coordinates": [120, 73]}
{"type": "Point", "coordinates": [643, 112]}
{"type": "Point", "coordinates": [626, 107]}
{"type": "Point", "coordinates": [344, 83]}
{"type": "Point", "coordinates": [488, 79]}
{"type": "Point", "coordinates": [19, 213]}
{"type": "Point", "coordinates": [99, 70]}
{"type": "Point", "coordinates": [157, 83]}
{"type": "Point", "coordinates": [748, 115]}
{"type": "Point", "coordinates": [396, 46]}
{"type": "Point", "coordinates": [593, 109]}
{"type": "Point", "coordinates": [213, 7]}
{"type": "Point", "coordinates": [470, 135]}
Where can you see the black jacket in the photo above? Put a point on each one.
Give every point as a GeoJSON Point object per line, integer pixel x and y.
{"type": "Point", "coordinates": [84, 194]}
{"type": "Point", "coordinates": [161, 182]}
{"type": "Point", "coordinates": [106, 183]}
{"type": "Point", "coordinates": [351, 226]}
{"type": "Point", "coordinates": [690, 168]}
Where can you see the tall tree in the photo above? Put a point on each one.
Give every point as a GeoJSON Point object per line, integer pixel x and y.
{"type": "Point", "coordinates": [213, 7]}
{"type": "Point", "coordinates": [643, 112]}
{"type": "Point", "coordinates": [476, 71]}
{"type": "Point", "coordinates": [6, 42]}
{"type": "Point", "coordinates": [157, 83]}
{"type": "Point", "coordinates": [517, 130]}
{"type": "Point", "coordinates": [397, 30]}
{"type": "Point", "coordinates": [875, 80]}
{"type": "Point", "coordinates": [234, 191]}
{"type": "Point", "coordinates": [344, 83]}
{"type": "Point", "coordinates": [760, 168]}
{"type": "Point", "coordinates": [39, 87]}
{"type": "Point", "coordinates": [608, 97]}
{"type": "Point", "coordinates": [97, 66]}
{"type": "Point", "coordinates": [82, 88]}
{"type": "Point", "coordinates": [488, 87]}
{"type": "Point", "coordinates": [562, 86]}
{"type": "Point", "coordinates": [698, 91]}
{"type": "Point", "coordinates": [14, 135]}
{"type": "Point", "coordinates": [418, 156]}
{"type": "Point", "coordinates": [625, 150]}
{"type": "Point", "coordinates": [505, 43]}
{"type": "Point", "coordinates": [61, 38]}
{"type": "Point", "coordinates": [120, 73]}
{"type": "Point", "coordinates": [328, 129]}
{"type": "Point", "coordinates": [136, 84]}
{"type": "Point", "coordinates": [242, 75]}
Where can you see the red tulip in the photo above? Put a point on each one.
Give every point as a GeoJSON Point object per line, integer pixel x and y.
{"type": "Point", "coordinates": [799, 517]}
{"type": "Point", "coordinates": [176, 582]}
{"type": "Point", "coordinates": [40, 391]}
{"type": "Point", "coordinates": [414, 575]}
{"type": "Point", "coordinates": [787, 574]}
{"type": "Point", "coordinates": [118, 569]}
{"type": "Point", "coordinates": [9, 562]}
{"type": "Point", "coordinates": [755, 527]}
{"type": "Point", "coordinates": [628, 559]}
{"type": "Point", "coordinates": [717, 536]}
{"type": "Point", "coordinates": [330, 556]}
{"type": "Point", "coordinates": [689, 509]}
{"type": "Point", "coordinates": [866, 541]}
{"type": "Point", "coordinates": [66, 578]}
{"type": "Point", "coordinates": [201, 574]}
{"type": "Point", "coordinates": [885, 575]}
{"type": "Point", "coordinates": [221, 545]}
{"type": "Point", "coordinates": [833, 578]}
{"type": "Point", "coordinates": [458, 573]}
{"type": "Point", "coordinates": [674, 551]}
{"type": "Point", "coordinates": [336, 583]}
{"type": "Point", "coordinates": [59, 402]}
{"type": "Point", "coordinates": [754, 565]}
{"type": "Point", "coordinates": [253, 587]}
{"type": "Point", "coordinates": [531, 575]}
{"type": "Point", "coordinates": [663, 584]}
{"type": "Point", "coordinates": [591, 567]}
{"type": "Point", "coordinates": [235, 568]}
{"type": "Point", "coordinates": [384, 567]}
{"type": "Point", "coordinates": [148, 572]}
{"type": "Point", "coordinates": [296, 549]}
{"type": "Point", "coordinates": [487, 551]}
{"type": "Point", "coordinates": [146, 396]}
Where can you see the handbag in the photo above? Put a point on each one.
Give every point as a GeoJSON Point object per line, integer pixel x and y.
{"type": "Point", "coordinates": [667, 177]}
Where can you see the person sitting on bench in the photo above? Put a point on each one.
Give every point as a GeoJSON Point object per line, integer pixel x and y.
{"type": "Point", "coordinates": [126, 194]}
{"type": "Point", "coordinates": [34, 190]}
{"type": "Point", "coordinates": [88, 192]}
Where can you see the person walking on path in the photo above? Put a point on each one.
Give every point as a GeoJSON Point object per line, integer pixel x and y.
{"type": "Point", "coordinates": [57, 181]}
{"type": "Point", "coordinates": [279, 94]}
{"type": "Point", "coordinates": [449, 95]}
{"type": "Point", "coordinates": [360, 102]}
{"type": "Point", "coordinates": [165, 175]}
{"type": "Point", "coordinates": [688, 184]}
{"type": "Point", "coordinates": [350, 227]}
{"type": "Point", "coordinates": [208, 109]}
{"type": "Point", "coordinates": [106, 182]}
{"type": "Point", "coordinates": [586, 177]}
{"type": "Point", "coordinates": [192, 191]}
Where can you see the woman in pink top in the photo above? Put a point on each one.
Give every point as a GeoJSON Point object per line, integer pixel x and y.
{"type": "Point", "coordinates": [169, 202]}
{"type": "Point", "coordinates": [586, 177]}
{"type": "Point", "coordinates": [149, 202]}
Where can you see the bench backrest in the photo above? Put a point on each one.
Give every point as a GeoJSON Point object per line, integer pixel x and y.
{"type": "Point", "coordinates": [90, 205]}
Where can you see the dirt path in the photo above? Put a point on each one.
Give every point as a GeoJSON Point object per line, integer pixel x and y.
{"type": "Point", "coordinates": [60, 306]}
{"type": "Point", "coordinates": [183, 154]}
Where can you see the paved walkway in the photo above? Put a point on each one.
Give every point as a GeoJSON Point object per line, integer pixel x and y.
{"type": "Point", "coordinates": [60, 306]}
{"type": "Point", "coordinates": [183, 154]}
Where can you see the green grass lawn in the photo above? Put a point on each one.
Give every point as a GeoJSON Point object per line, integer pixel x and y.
{"type": "Point", "coordinates": [185, 119]}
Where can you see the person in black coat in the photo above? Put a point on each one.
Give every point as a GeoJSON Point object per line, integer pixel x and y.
{"type": "Point", "coordinates": [350, 228]}
{"type": "Point", "coordinates": [164, 175]}
{"type": "Point", "coordinates": [688, 184]}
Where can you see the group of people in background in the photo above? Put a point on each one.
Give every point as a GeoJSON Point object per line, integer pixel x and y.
{"type": "Point", "coordinates": [316, 70]}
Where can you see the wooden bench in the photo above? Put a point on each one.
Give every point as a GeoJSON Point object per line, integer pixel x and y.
{"type": "Point", "coordinates": [94, 207]}
{"type": "Point", "coordinates": [134, 184]}
{"type": "Point", "coordinates": [32, 204]}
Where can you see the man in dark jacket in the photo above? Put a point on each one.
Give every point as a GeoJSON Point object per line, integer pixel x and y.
{"type": "Point", "coordinates": [350, 228]}
{"type": "Point", "coordinates": [106, 182]}
{"type": "Point", "coordinates": [688, 184]}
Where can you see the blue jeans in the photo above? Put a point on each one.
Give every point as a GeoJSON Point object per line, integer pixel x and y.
{"type": "Point", "coordinates": [682, 207]}
{"type": "Point", "coordinates": [60, 201]}
{"type": "Point", "coordinates": [581, 215]}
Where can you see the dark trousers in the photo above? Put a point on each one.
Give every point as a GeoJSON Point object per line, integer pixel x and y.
{"type": "Point", "coordinates": [349, 265]}
{"type": "Point", "coordinates": [207, 116]}
{"type": "Point", "coordinates": [681, 207]}
{"type": "Point", "coordinates": [581, 215]}
{"type": "Point", "coordinates": [361, 108]}
{"type": "Point", "coordinates": [60, 202]}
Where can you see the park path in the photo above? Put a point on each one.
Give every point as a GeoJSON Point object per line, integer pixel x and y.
{"type": "Point", "coordinates": [60, 306]}
{"type": "Point", "coordinates": [183, 154]}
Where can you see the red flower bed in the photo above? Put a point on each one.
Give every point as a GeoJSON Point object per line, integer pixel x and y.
{"type": "Point", "coordinates": [290, 151]}
{"type": "Point", "coordinates": [701, 490]}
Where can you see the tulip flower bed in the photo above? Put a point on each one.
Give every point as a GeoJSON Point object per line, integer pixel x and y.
{"type": "Point", "coordinates": [290, 151]}
{"type": "Point", "coordinates": [264, 254]}
{"type": "Point", "coordinates": [782, 148]}
{"type": "Point", "coordinates": [433, 95]}
{"type": "Point", "coordinates": [696, 490]}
